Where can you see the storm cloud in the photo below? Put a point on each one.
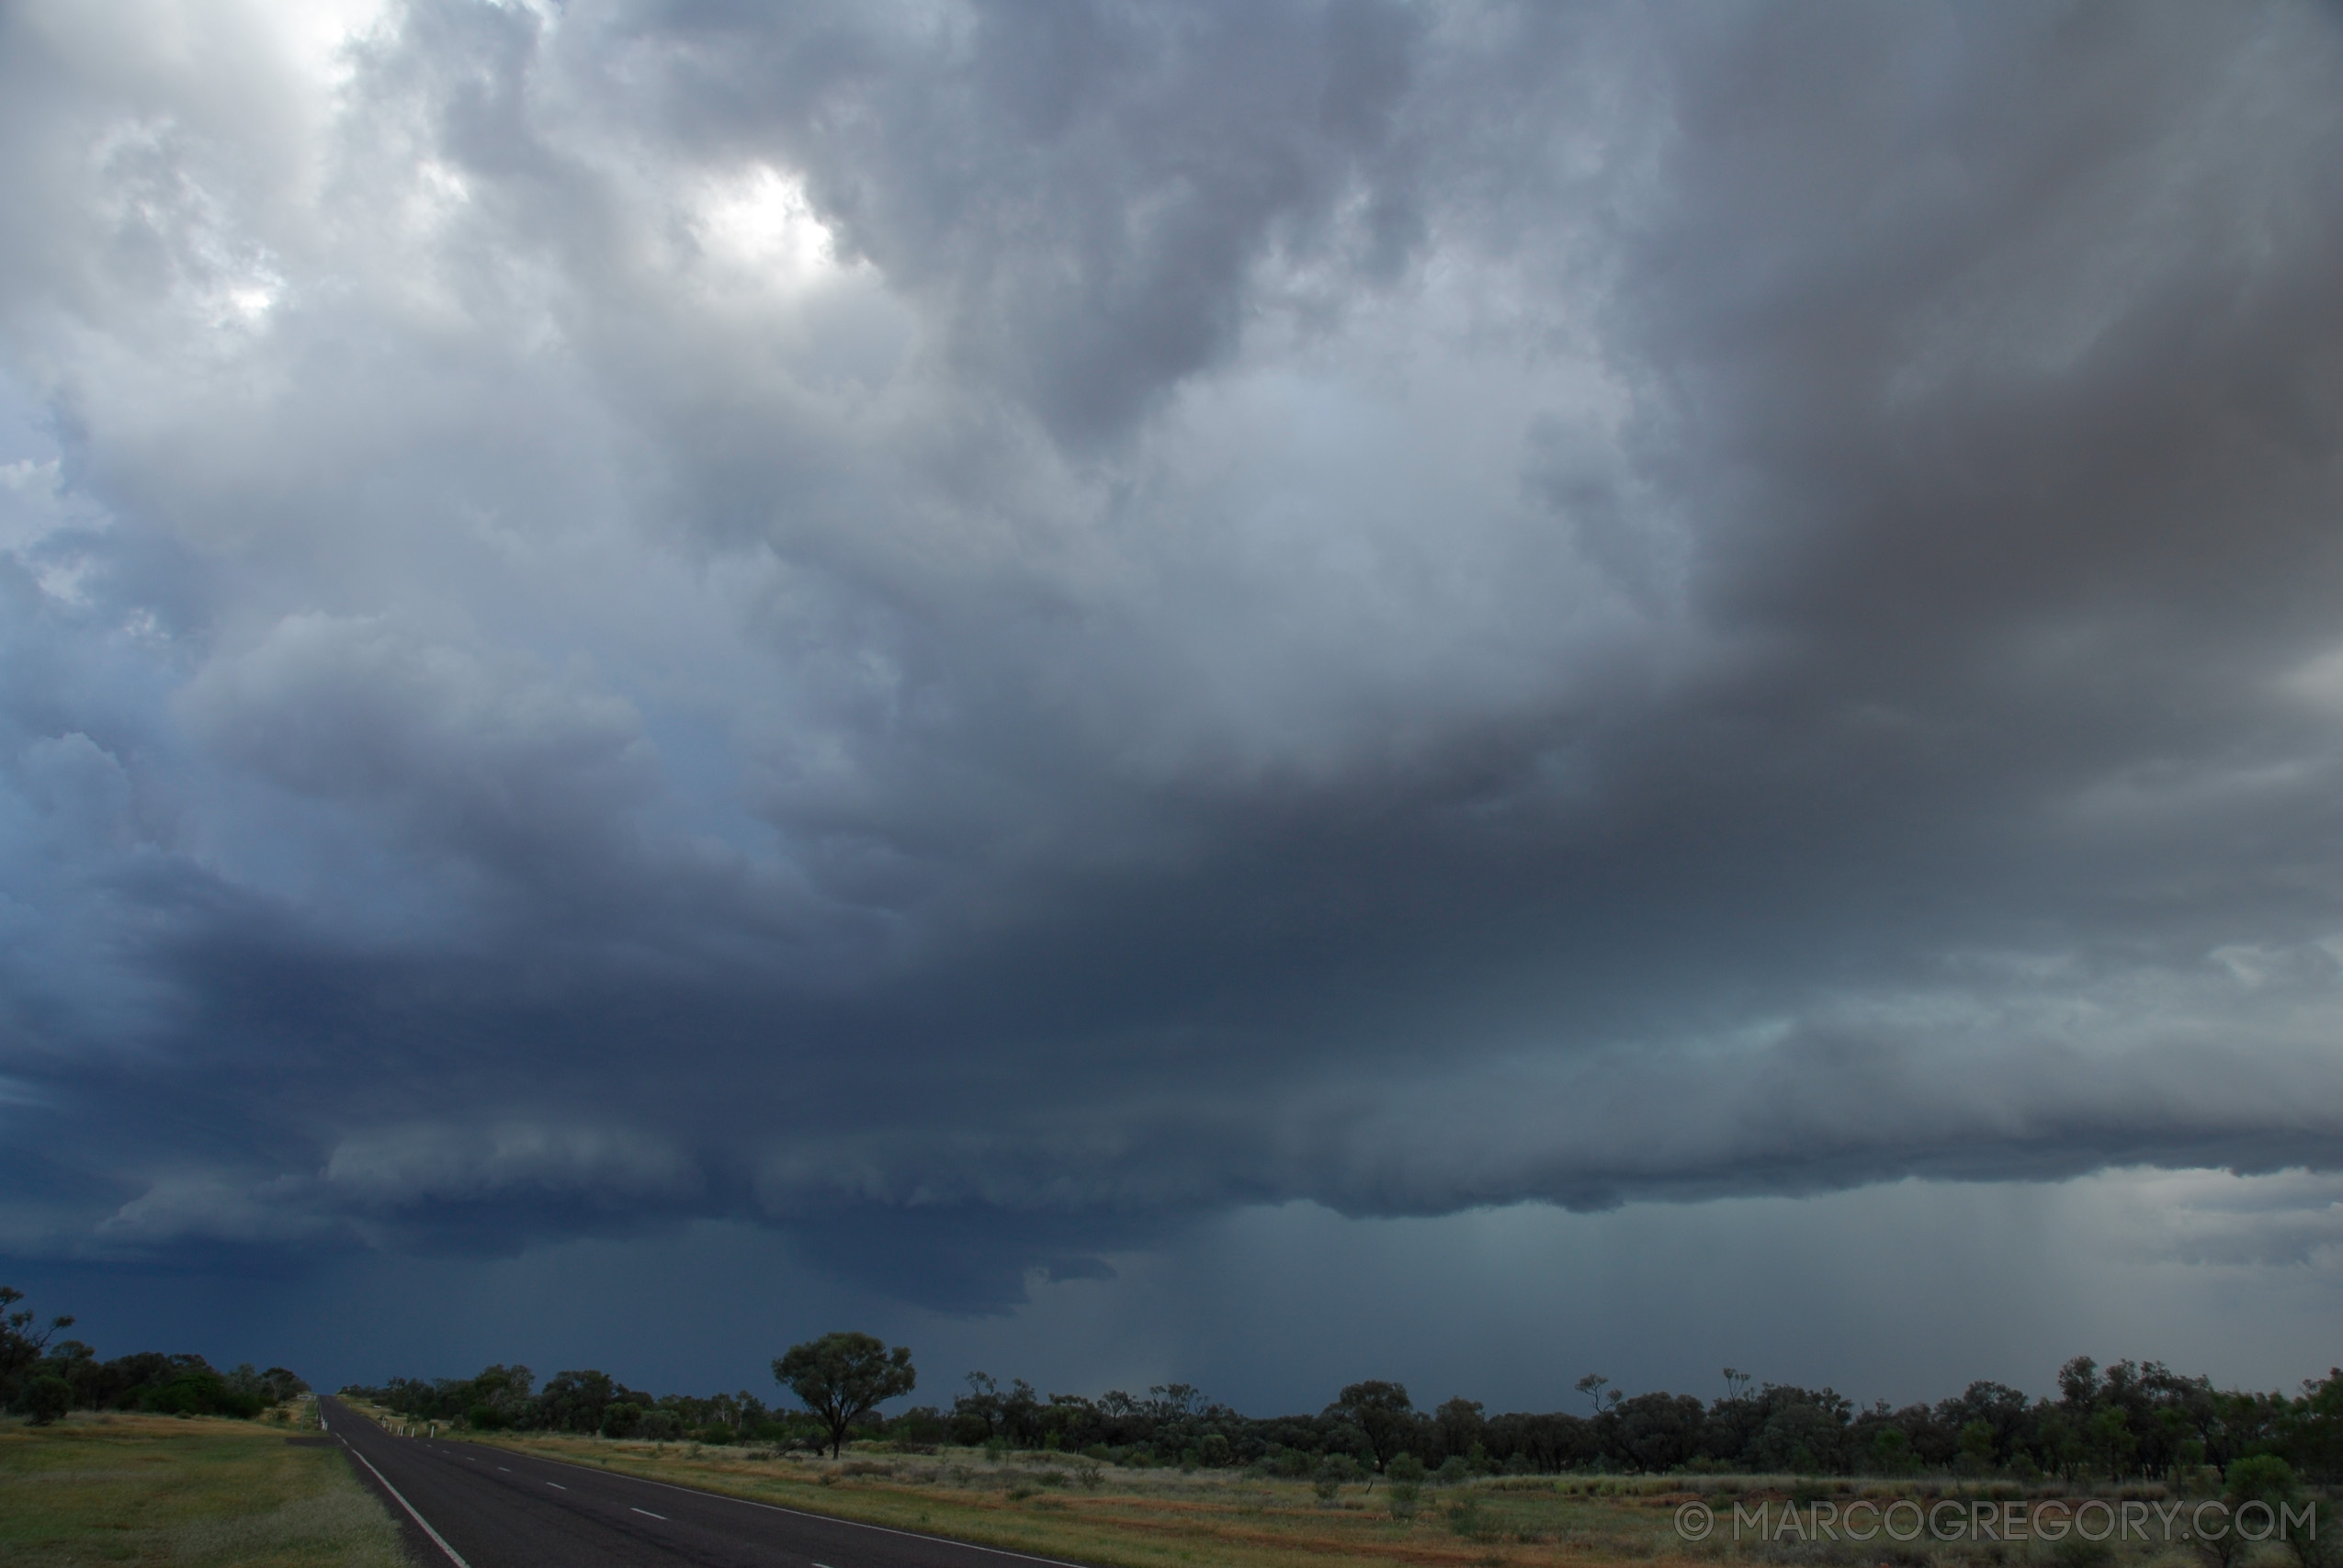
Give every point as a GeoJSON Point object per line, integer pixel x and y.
{"type": "Point", "coordinates": [971, 635]}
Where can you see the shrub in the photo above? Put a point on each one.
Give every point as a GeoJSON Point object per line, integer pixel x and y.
{"type": "Point", "coordinates": [1334, 1472]}
{"type": "Point", "coordinates": [48, 1399]}
{"type": "Point", "coordinates": [2315, 1547]}
{"type": "Point", "coordinates": [200, 1391]}
{"type": "Point", "coordinates": [1467, 1518]}
{"type": "Point", "coordinates": [1404, 1474]}
{"type": "Point", "coordinates": [2078, 1552]}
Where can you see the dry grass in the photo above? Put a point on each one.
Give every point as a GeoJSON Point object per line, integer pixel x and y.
{"type": "Point", "coordinates": [1167, 1518]}
{"type": "Point", "coordinates": [1164, 1518]}
{"type": "Point", "coordinates": [193, 1494]}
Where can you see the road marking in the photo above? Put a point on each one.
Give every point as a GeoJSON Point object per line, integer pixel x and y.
{"type": "Point", "coordinates": [506, 1468]}
{"type": "Point", "coordinates": [557, 1487]}
{"type": "Point", "coordinates": [703, 1492]}
{"type": "Point", "coordinates": [647, 1514]}
{"type": "Point", "coordinates": [436, 1539]}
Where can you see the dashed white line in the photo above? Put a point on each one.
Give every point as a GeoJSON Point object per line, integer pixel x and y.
{"type": "Point", "coordinates": [557, 1487]}
{"type": "Point", "coordinates": [506, 1468]}
{"type": "Point", "coordinates": [647, 1514]}
{"type": "Point", "coordinates": [706, 1495]}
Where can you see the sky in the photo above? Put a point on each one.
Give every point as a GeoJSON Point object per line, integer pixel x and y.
{"type": "Point", "coordinates": [1261, 694]}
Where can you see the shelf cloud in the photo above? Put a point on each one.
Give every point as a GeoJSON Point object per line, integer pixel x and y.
{"type": "Point", "coordinates": [970, 635]}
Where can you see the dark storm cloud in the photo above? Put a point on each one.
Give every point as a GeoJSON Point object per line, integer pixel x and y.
{"type": "Point", "coordinates": [974, 632]}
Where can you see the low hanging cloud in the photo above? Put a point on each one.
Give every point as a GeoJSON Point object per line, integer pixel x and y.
{"type": "Point", "coordinates": [975, 632]}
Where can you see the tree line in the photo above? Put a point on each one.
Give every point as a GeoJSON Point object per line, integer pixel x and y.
{"type": "Point", "coordinates": [42, 1376]}
{"type": "Point", "coordinates": [2123, 1421]}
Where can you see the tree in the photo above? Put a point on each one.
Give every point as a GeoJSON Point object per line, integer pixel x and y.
{"type": "Point", "coordinates": [976, 1415]}
{"type": "Point", "coordinates": [1976, 1448]}
{"type": "Point", "coordinates": [844, 1377]}
{"type": "Point", "coordinates": [20, 1346]}
{"type": "Point", "coordinates": [574, 1401]}
{"type": "Point", "coordinates": [1461, 1426]}
{"type": "Point", "coordinates": [1381, 1410]}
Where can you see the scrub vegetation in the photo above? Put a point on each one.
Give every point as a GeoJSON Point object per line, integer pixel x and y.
{"type": "Point", "coordinates": [1052, 1504]}
{"type": "Point", "coordinates": [162, 1459]}
{"type": "Point", "coordinates": [1175, 1478]}
{"type": "Point", "coordinates": [2126, 1423]}
{"type": "Point", "coordinates": [42, 1377]}
{"type": "Point", "coordinates": [188, 1490]}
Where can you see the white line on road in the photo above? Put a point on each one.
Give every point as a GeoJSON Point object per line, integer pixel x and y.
{"type": "Point", "coordinates": [557, 1487]}
{"type": "Point", "coordinates": [436, 1539]}
{"type": "Point", "coordinates": [647, 1514]}
{"type": "Point", "coordinates": [702, 1493]}
{"type": "Point", "coordinates": [506, 1468]}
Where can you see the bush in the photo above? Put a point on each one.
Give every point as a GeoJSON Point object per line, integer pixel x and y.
{"type": "Point", "coordinates": [2315, 1547]}
{"type": "Point", "coordinates": [1404, 1474]}
{"type": "Point", "coordinates": [2259, 1478]}
{"type": "Point", "coordinates": [48, 1399]}
{"type": "Point", "coordinates": [2079, 1551]}
{"type": "Point", "coordinates": [1334, 1473]}
{"type": "Point", "coordinates": [620, 1418]}
{"type": "Point", "coordinates": [1467, 1518]}
{"type": "Point", "coordinates": [200, 1391]}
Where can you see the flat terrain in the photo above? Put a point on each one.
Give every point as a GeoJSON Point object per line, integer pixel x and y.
{"type": "Point", "coordinates": [1040, 1504]}
{"type": "Point", "coordinates": [113, 1489]}
{"type": "Point", "coordinates": [1063, 1507]}
{"type": "Point", "coordinates": [493, 1508]}
{"type": "Point", "coordinates": [199, 1493]}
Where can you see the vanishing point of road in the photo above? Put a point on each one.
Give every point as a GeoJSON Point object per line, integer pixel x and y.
{"type": "Point", "coordinates": [479, 1507]}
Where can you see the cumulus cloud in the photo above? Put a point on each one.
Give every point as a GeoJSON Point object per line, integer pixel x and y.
{"type": "Point", "coordinates": [972, 632]}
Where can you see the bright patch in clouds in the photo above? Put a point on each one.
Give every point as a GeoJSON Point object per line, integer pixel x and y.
{"type": "Point", "coordinates": [758, 223]}
{"type": "Point", "coordinates": [959, 646]}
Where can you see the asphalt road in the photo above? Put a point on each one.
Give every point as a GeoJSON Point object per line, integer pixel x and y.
{"type": "Point", "coordinates": [489, 1507]}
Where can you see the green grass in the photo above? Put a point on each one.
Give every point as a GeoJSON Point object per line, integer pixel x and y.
{"type": "Point", "coordinates": [199, 1493]}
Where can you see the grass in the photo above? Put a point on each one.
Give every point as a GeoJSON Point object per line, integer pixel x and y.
{"type": "Point", "coordinates": [194, 1493]}
{"type": "Point", "coordinates": [1168, 1518]}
